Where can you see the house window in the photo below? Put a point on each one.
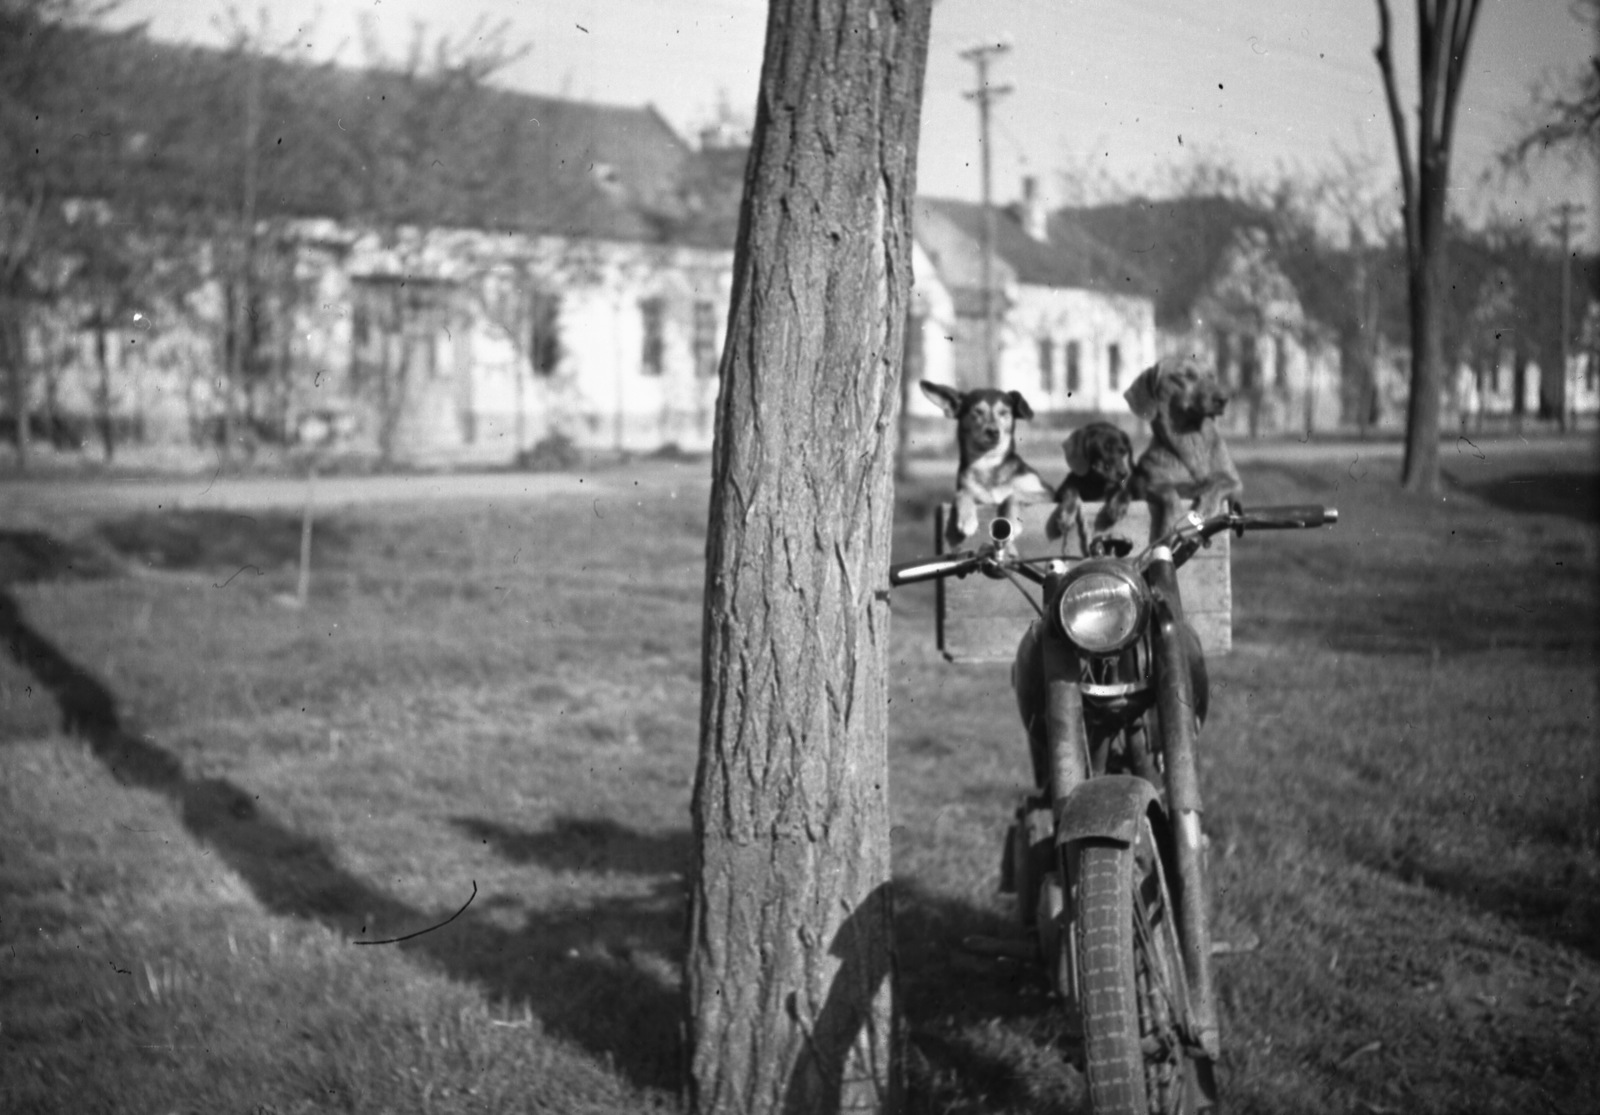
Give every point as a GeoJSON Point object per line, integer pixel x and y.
{"type": "Point", "coordinates": [1074, 365]}
{"type": "Point", "coordinates": [1114, 366]}
{"type": "Point", "coordinates": [652, 350]}
{"type": "Point", "coordinates": [1280, 354]}
{"type": "Point", "coordinates": [427, 346]}
{"type": "Point", "coordinates": [1047, 354]}
{"type": "Point", "coordinates": [705, 339]}
{"type": "Point", "coordinates": [1249, 363]}
{"type": "Point", "coordinates": [1224, 357]}
{"type": "Point", "coordinates": [544, 332]}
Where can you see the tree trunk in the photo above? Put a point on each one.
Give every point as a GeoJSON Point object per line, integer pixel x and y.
{"type": "Point", "coordinates": [108, 438]}
{"type": "Point", "coordinates": [1444, 33]}
{"type": "Point", "coordinates": [789, 966]}
{"type": "Point", "coordinates": [1420, 470]}
{"type": "Point", "coordinates": [13, 353]}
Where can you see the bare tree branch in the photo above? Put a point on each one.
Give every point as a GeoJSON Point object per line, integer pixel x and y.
{"type": "Point", "coordinates": [1466, 17]}
{"type": "Point", "coordinates": [1408, 188]}
{"type": "Point", "coordinates": [1564, 111]}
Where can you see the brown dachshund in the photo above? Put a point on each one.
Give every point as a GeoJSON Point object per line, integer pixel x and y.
{"type": "Point", "coordinates": [1186, 463]}
{"type": "Point", "coordinates": [1099, 465]}
{"type": "Point", "coordinates": [991, 471]}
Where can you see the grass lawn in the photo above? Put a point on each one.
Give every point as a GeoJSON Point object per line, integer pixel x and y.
{"type": "Point", "coordinates": [213, 808]}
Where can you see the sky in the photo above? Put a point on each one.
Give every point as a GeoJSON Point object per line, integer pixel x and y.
{"type": "Point", "coordinates": [1102, 91]}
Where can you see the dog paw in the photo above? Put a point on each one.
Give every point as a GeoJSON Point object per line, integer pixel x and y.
{"type": "Point", "coordinates": [1110, 514]}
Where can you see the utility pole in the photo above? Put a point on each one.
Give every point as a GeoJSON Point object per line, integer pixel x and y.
{"type": "Point", "coordinates": [984, 94]}
{"type": "Point", "coordinates": [1564, 214]}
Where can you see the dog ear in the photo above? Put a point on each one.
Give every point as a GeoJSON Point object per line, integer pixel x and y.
{"type": "Point", "coordinates": [1144, 393]}
{"type": "Point", "coordinates": [1019, 405]}
{"type": "Point", "coordinates": [1077, 460]}
{"type": "Point", "coordinates": [947, 399]}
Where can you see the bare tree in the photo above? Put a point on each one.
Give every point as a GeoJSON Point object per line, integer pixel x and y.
{"type": "Point", "coordinates": [39, 42]}
{"type": "Point", "coordinates": [1564, 113]}
{"type": "Point", "coordinates": [403, 172]}
{"type": "Point", "coordinates": [1444, 32]}
{"type": "Point", "coordinates": [790, 938]}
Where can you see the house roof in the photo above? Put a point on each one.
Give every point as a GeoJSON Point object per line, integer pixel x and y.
{"type": "Point", "coordinates": [952, 232]}
{"type": "Point", "coordinates": [1179, 243]}
{"type": "Point", "coordinates": [160, 122]}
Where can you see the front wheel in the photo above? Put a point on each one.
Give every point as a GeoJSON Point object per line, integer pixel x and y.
{"type": "Point", "coordinates": [1133, 994]}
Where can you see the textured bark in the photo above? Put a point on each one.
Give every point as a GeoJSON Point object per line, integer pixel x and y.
{"type": "Point", "coordinates": [789, 967]}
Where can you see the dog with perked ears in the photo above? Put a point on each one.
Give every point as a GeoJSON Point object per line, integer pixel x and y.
{"type": "Point", "coordinates": [989, 470]}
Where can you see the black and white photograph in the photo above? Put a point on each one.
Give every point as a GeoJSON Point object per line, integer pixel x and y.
{"type": "Point", "coordinates": [793, 557]}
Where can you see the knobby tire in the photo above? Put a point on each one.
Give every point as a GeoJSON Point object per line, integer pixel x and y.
{"type": "Point", "coordinates": [1132, 993]}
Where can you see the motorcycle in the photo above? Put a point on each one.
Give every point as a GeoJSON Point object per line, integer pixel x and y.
{"type": "Point", "coordinates": [1107, 856]}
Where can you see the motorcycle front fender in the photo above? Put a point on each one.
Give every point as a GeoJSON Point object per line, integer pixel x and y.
{"type": "Point", "coordinates": [1106, 808]}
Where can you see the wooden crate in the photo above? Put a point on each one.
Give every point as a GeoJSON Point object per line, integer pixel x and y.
{"type": "Point", "coordinates": [981, 619]}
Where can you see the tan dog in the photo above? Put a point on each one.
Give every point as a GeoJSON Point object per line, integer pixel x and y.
{"type": "Point", "coordinates": [1099, 465]}
{"type": "Point", "coordinates": [1186, 463]}
{"type": "Point", "coordinates": [991, 471]}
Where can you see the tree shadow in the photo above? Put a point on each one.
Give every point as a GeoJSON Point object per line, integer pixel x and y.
{"type": "Point", "coordinates": [984, 1033]}
{"type": "Point", "coordinates": [28, 556]}
{"type": "Point", "coordinates": [583, 971]}
{"type": "Point", "coordinates": [1561, 908]}
{"type": "Point", "coordinates": [1571, 493]}
{"type": "Point", "coordinates": [216, 539]}
{"type": "Point", "coordinates": [603, 974]}
{"type": "Point", "coordinates": [587, 844]}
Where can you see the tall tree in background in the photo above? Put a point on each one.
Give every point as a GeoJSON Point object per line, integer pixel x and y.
{"type": "Point", "coordinates": [1444, 32]}
{"type": "Point", "coordinates": [789, 961]}
{"type": "Point", "coordinates": [402, 171]}
{"type": "Point", "coordinates": [37, 40]}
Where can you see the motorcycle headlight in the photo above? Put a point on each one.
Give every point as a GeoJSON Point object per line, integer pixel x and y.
{"type": "Point", "coordinates": [1102, 609]}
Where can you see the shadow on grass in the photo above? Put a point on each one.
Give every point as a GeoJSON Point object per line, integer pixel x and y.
{"type": "Point", "coordinates": [213, 539]}
{"type": "Point", "coordinates": [1574, 494]}
{"type": "Point", "coordinates": [1561, 908]}
{"type": "Point", "coordinates": [585, 844]}
{"type": "Point", "coordinates": [984, 1033]}
{"type": "Point", "coordinates": [603, 974]}
{"type": "Point", "coordinates": [592, 996]}
{"type": "Point", "coordinates": [31, 555]}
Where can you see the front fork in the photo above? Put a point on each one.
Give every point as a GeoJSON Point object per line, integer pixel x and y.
{"type": "Point", "coordinates": [1176, 707]}
{"type": "Point", "coordinates": [1176, 738]}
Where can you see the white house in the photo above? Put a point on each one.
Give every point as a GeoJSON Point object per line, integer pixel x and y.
{"type": "Point", "coordinates": [563, 269]}
{"type": "Point", "coordinates": [1073, 321]}
{"type": "Point", "coordinates": [1221, 296]}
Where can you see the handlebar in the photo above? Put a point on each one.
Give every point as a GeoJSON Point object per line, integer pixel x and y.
{"type": "Point", "coordinates": [1293, 517]}
{"type": "Point", "coordinates": [1183, 540]}
{"type": "Point", "coordinates": [956, 564]}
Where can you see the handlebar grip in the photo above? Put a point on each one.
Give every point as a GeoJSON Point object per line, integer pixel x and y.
{"type": "Point", "coordinates": [932, 568]}
{"type": "Point", "coordinates": [1290, 517]}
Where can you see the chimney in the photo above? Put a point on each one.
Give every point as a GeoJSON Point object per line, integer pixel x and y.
{"type": "Point", "coordinates": [1034, 217]}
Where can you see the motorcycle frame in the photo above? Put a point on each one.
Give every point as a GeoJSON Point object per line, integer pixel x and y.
{"type": "Point", "coordinates": [1109, 807]}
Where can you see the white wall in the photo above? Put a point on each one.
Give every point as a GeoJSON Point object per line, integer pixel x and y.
{"type": "Point", "coordinates": [1093, 320]}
